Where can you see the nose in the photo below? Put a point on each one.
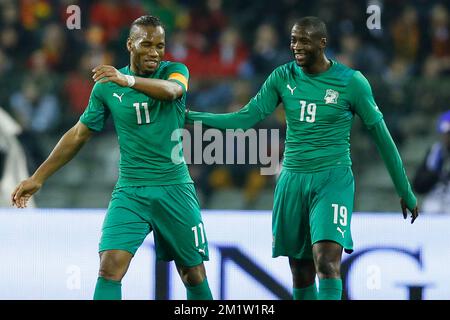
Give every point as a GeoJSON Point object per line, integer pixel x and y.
{"type": "Point", "coordinates": [153, 52]}
{"type": "Point", "coordinates": [296, 45]}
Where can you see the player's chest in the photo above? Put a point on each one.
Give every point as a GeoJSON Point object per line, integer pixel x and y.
{"type": "Point", "coordinates": [132, 107]}
{"type": "Point", "coordinates": [314, 102]}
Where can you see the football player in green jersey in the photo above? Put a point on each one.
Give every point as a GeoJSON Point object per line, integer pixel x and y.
{"type": "Point", "coordinates": [153, 193]}
{"type": "Point", "coordinates": [313, 199]}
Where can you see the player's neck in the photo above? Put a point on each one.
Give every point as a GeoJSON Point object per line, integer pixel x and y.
{"type": "Point", "coordinates": [322, 65]}
{"type": "Point", "coordinates": [138, 72]}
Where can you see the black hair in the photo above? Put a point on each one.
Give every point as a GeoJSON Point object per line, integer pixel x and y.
{"type": "Point", "coordinates": [146, 20]}
{"type": "Point", "coordinates": [318, 26]}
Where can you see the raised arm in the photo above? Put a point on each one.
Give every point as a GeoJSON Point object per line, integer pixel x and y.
{"type": "Point", "coordinates": [364, 105]}
{"type": "Point", "coordinates": [168, 89]}
{"type": "Point", "coordinates": [64, 151]}
{"type": "Point", "coordinates": [258, 108]}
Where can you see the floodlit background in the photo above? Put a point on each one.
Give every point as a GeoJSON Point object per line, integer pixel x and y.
{"type": "Point", "coordinates": [230, 47]}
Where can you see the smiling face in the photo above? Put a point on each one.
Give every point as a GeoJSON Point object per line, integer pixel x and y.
{"type": "Point", "coordinates": [307, 46]}
{"type": "Point", "coordinates": [146, 45]}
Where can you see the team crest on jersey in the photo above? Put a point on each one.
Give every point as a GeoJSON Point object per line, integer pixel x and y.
{"type": "Point", "coordinates": [331, 96]}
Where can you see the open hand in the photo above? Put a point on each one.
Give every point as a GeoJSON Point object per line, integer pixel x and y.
{"type": "Point", "coordinates": [24, 191]}
{"type": "Point", "coordinates": [414, 211]}
{"type": "Point", "coordinates": [104, 73]}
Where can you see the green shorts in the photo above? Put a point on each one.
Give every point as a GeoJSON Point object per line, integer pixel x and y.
{"type": "Point", "coordinates": [172, 212]}
{"type": "Point", "coordinates": [311, 207]}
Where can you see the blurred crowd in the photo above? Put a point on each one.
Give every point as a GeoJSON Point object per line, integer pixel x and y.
{"type": "Point", "coordinates": [230, 47]}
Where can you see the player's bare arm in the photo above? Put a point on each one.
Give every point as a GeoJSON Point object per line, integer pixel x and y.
{"type": "Point", "coordinates": [67, 147]}
{"type": "Point", "coordinates": [166, 90]}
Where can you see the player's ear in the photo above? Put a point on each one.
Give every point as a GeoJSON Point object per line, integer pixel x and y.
{"type": "Point", "coordinates": [129, 41]}
{"type": "Point", "coordinates": [323, 43]}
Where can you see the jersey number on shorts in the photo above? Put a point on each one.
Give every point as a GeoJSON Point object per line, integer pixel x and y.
{"type": "Point", "coordinates": [340, 214]}
{"type": "Point", "coordinates": [198, 230]}
{"type": "Point", "coordinates": [137, 105]}
{"type": "Point", "coordinates": [307, 112]}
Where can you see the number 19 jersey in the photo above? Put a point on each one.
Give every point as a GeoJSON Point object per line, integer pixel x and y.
{"type": "Point", "coordinates": [319, 113]}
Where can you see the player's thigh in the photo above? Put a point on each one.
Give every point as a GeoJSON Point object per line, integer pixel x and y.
{"type": "Point", "coordinates": [179, 231]}
{"type": "Point", "coordinates": [123, 227]}
{"type": "Point", "coordinates": [332, 207]}
{"type": "Point", "coordinates": [290, 219]}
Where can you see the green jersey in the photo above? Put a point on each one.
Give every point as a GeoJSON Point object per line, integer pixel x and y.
{"type": "Point", "coordinates": [319, 109]}
{"type": "Point", "coordinates": [145, 128]}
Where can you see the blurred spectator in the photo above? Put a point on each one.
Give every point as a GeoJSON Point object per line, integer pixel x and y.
{"type": "Point", "coordinates": [9, 40]}
{"type": "Point", "coordinates": [34, 13]}
{"type": "Point", "coordinates": [37, 113]}
{"type": "Point", "coordinates": [406, 35]}
{"type": "Point", "coordinates": [95, 47]}
{"type": "Point", "coordinates": [7, 77]}
{"type": "Point", "coordinates": [440, 31]}
{"type": "Point", "coordinates": [438, 62]}
{"type": "Point", "coordinates": [38, 70]}
{"type": "Point", "coordinates": [172, 15]}
{"type": "Point", "coordinates": [266, 54]}
{"type": "Point", "coordinates": [77, 88]}
{"type": "Point", "coordinates": [433, 176]}
{"type": "Point", "coordinates": [13, 164]}
{"type": "Point", "coordinates": [114, 15]}
{"type": "Point", "coordinates": [180, 48]}
{"type": "Point", "coordinates": [54, 47]}
{"type": "Point", "coordinates": [355, 54]}
{"type": "Point", "coordinates": [208, 20]}
{"type": "Point", "coordinates": [228, 56]}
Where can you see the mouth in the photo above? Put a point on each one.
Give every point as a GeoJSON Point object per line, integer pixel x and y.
{"type": "Point", "coordinates": [300, 56]}
{"type": "Point", "coordinates": [152, 64]}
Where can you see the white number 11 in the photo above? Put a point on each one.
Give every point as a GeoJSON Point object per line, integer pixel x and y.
{"type": "Point", "coordinates": [138, 112]}
{"type": "Point", "coordinates": [202, 234]}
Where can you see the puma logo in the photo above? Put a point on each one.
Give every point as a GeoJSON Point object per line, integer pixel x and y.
{"type": "Point", "coordinates": [118, 97]}
{"type": "Point", "coordinates": [292, 89]}
{"type": "Point", "coordinates": [341, 231]}
{"type": "Point", "coordinates": [202, 251]}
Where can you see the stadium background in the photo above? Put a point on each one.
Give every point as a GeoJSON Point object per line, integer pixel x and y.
{"type": "Point", "coordinates": [229, 47]}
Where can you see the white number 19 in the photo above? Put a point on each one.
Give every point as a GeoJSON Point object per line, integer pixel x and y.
{"type": "Point", "coordinates": [342, 212]}
{"type": "Point", "coordinates": [310, 110]}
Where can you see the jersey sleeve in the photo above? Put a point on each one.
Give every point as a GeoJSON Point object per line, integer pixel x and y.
{"type": "Point", "coordinates": [258, 108]}
{"type": "Point", "coordinates": [96, 113]}
{"type": "Point", "coordinates": [391, 158]}
{"type": "Point", "coordinates": [268, 97]}
{"type": "Point", "coordinates": [362, 101]}
{"type": "Point", "coordinates": [178, 73]}
{"type": "Point", "coordinates": [364, 105]}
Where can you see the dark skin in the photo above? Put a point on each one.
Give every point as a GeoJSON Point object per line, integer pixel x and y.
{"type": "Point", "coordinates": [146, 45]}
{"type": "Point", "coordinates": [308, 48]}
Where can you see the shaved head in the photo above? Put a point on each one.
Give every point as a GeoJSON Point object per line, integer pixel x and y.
{"type": "Point", "coordinates": [316, 26]}
{"type": "Point", "coordinates": [145, 21]}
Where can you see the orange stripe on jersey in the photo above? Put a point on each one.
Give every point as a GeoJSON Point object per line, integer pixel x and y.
{"type": "Point", "coordinates": [179, 77]}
